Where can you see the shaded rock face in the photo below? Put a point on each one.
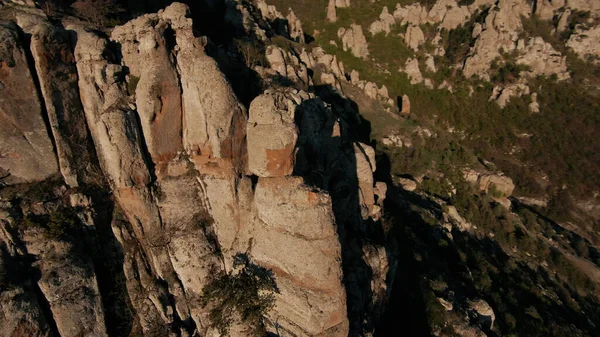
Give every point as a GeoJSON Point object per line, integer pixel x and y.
{"type": "Point", "coordinates": [55, 67]}
{"type": "Point", "coordinates": [57, 287]}
{"type": "Point", "coordinates": [26, 150]}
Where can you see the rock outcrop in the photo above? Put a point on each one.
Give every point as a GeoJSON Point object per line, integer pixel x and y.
{"type": "Point", "coordinates": [272, 135]}
{"type": "Point", "coordinates": [158, 157]}
{"type": "Point", "coordinates": [384, 24]}
{"type": "Point", "coordinates": [353, 40]}
{"type": "Point", "coordinates": [586, 43]}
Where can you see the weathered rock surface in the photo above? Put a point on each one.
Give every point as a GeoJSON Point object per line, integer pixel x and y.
{"type": "Point", "coordinates": [586, 43]}
{"type": "Point", "coordinates": [190, 181]}
{"type": "Point", "coordinates": [354, 40]}
{"type": "Point", "coordinates": [384, 24]}
{"type": "Point", "coordinates": [69, 285]}
{"type": "Point", "coordinates": [542, 59]}
{"type": "Point", "coordinates": [55, 67]}
{"type": "Point", "coordinates": [312, 298]}
{"type": "Point", "coordinates": [272, 135]}
{"type": "Point", "coordinates": [26, 149]}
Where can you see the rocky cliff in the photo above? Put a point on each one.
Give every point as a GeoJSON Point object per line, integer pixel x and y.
{"type": "Point", "coordinates": [149, 157]}
{"type": "Point", "coordinates": [283, 169]}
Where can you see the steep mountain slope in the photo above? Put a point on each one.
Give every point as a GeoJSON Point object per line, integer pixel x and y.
{"type": "Point", "coordinates": [350, 168]}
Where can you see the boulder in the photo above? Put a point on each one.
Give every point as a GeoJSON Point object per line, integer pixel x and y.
{"type": "Point", "coordinates": [484, 312]}
{"type": "Point", "coordinates": [26, 150]}
{"type": "Point", "coordinates": [272, 135]}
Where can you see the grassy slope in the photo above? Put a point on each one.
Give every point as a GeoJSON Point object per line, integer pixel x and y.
{"type": "Point", "coordinates": [562, 143]}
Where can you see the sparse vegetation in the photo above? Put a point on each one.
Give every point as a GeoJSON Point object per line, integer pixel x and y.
{"type": "Point", "coordinates": [247, 293]}
{"type": "Point", "coordinates": [132, 84]}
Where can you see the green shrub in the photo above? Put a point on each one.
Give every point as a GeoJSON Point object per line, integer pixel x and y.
{"type": "Point", "coordinates": [60, 224]}
{"type": "Point", "coordinates": [132, 84]}
{"type": "Point", "coordinates": [248, 292]}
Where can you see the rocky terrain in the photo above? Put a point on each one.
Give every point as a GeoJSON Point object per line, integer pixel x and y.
{"type": "Point", "coordinates": [285, 168]}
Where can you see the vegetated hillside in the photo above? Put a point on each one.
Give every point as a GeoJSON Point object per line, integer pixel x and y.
{"type": "Point", "coordinates": [557, 144]}
{"type": "Point", "coordinates": [536, 264]}
{"type": "Point", "coordinates": [342, 170]}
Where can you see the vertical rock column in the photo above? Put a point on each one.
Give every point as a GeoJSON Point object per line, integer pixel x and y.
{"type": "Point", "coordinates": [57, 74]}
{"type": "Point", "coordinates": [291, 229]}
{"type": "Point", "coordinates": [26, 150]}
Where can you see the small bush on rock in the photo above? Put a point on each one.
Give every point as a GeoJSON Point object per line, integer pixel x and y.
{"type": "Point", "coordinates": [247, 293]}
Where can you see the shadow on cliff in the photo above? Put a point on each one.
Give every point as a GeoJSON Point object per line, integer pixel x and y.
{"type": "Point", "coordinates": [326, 159]}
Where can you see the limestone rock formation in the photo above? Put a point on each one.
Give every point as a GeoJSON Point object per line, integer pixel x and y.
{"type": "Point", "coordinates": [143, 120]}
{"type": "Point", "coordinates": [311, 299]}
{"type": "Point", "coordinates": [354, 40]}
{"type": "Point", "coordinates": [502, 26]}
{"type": "Point", "coordinates": [57, 74]}
{"type": "Point", "coordinates": [412, 71]}
{"type": "Point", "coordinates": [405, 108]}
{"type": "Point", "coordinates": [295, 27]}
{"type": "Point", "coordinates": [331, 12]}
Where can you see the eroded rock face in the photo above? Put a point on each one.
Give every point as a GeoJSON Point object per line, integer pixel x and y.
{"type": "Point", "coordinates": [26, 150]}
{"type": "Point", "coordinates": [69, 285]}
{"type": "Point", "coordinates": [55, 67]}
{"type": "Point", "coordinates": [542, 59]}
{"type": "Point", "coordinates": [414, 37]}
{"type": "Point", "coordinates": [272, 135]}
{"type": "Point", "coordinates": [502, 26]}
{"type": "Point", "coordinates": [312, 298]}
{"type": "Point", "coordinates": [147, 47]}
